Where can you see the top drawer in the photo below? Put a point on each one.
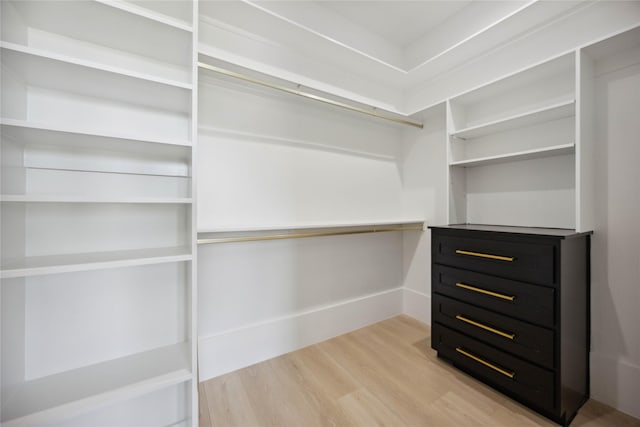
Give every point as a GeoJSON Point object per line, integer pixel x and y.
{"type": "Point", "coordinates": [529, 262]}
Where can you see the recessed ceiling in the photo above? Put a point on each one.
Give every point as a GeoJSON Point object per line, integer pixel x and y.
{"type": "Point", "coordinates": [399, 22]}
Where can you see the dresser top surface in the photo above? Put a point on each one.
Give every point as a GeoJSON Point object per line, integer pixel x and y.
{"type": "Point", "coordinates": [532, 231]}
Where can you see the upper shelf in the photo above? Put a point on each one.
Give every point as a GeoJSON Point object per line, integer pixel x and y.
{"type": "Point", "coordinates": [94, 64]}
{"type": "Point", "coordinates": [57, 397]}
{"type": "Point", "coordinates": [540, 115]}
{"type": "Point", "coordinates": [61, 93]}
{"type": "Point", "coordinates": [537, 153]}
{"type": "Point", "coordinates": [145, 42]}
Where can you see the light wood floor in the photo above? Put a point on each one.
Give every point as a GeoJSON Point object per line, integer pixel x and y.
{"type": "Point", "coordinates": [385, 374]}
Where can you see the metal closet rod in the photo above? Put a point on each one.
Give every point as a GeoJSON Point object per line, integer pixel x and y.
{"type": "Point", "coordinates": [298, 92]}
{"type": "Point", "coordinates": [378, 229]}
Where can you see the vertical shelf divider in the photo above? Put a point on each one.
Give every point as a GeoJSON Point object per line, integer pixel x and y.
{"type": "Point", "coordinates": [193, 223]}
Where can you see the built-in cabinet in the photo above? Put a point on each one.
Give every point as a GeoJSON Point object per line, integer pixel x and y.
{"type": "Point", "coordinates": [97, 213]}
{"type": "Point", "coordinates": [520, 150]}
{"type": "Point", "coordinates": [510, 298]}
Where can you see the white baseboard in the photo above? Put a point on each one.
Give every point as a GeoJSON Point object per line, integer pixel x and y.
{"type": "Point", "coordinates": [616, 383]}
{"type": "Point", "coordinates": [237, 348]}
{"type": "Point", "coordinates": [417, 305]}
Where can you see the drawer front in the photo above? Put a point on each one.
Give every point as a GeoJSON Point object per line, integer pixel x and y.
{"type": "Point", "coordinates": [523, 301]}
{"type": "Point", "coordinates": [530, 342]}
{"type": "Point", "coordinates": [514, 376]}
{"type": "Point", "coordinates": [529, 262]}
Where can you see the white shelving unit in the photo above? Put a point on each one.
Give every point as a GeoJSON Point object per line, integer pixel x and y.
{"type": "Point", "coordinates": [84, 31]}
{"type": "Point", "coordinates": [528, 118]}
{"type": "Point", "coordinates": [97, 213]}
{"type": "Point", "coordinates": [503, 135]}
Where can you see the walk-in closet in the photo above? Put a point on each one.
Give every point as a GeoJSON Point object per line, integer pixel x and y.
{"type": "Point", "coordinates": [216, 212]}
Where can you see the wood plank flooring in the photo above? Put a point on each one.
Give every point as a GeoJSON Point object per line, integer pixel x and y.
{"type": "Point", "coordinates": [382, 375]}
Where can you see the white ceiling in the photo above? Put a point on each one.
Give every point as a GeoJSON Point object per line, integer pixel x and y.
{"type": "Point", "coordinates": [399, 22]}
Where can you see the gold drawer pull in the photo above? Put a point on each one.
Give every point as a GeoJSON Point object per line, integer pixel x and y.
{"type": "Point", "coordinates": [487, 364]}
{"type": "Point", "coordinates": [485, 327]}
{"type": "Point", "coordinates": [486, 292]}
{"type": "Point", "coordinates": [481, 255]}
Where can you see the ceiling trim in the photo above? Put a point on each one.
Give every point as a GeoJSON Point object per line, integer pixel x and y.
{"type": "Point", "coordinates": [472, 36]}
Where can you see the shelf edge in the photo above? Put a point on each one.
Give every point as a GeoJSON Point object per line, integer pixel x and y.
{"type": "Point", "coordinates": [27, 50]}
{"type": "Point", "coordinates": [531, 113]}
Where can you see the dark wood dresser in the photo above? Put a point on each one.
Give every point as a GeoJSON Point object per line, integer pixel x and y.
{"type": "Point", "coordinates": [510, 306]}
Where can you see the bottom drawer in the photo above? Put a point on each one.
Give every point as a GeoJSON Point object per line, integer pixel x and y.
{"type": "Point", "coordinates": [511, 374]}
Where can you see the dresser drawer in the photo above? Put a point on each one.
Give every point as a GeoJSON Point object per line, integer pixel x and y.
{"type": "Point", "coordinates": [512, 375]}
{"type": "Point", "coordinates": [527, 302]}
{"type": "Point", "coordinates": [529, 262]}
{"type": "Point", "coordinates": [530, 342]}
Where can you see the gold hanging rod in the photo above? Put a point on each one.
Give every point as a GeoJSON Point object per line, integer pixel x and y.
{"type": "Point", "coordinates": [309, 234]}
{"type": "Point", "coordinates": [298, 92]}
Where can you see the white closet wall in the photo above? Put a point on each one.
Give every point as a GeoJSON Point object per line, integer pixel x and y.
{"type": "Point", "coordinates": [613, 75]}
{"type": "Point", "coordinates": [275, 161]}
{"type": "Point", "coordinates": [291, 161]}
{"type": "Point", "coordinates": [424, 171]}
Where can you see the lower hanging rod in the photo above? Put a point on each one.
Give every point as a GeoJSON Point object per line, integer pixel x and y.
{"type": "Point", "coordinates": [308, 95]}
{"type": "Point", "coordinates": [309, 234]}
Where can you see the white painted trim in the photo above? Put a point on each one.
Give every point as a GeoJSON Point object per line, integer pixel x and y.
{"type": "Point", "coordinates": [417, 305]}
{"type": "Point", "coordinates": [472, 36]}
{"type": "Point", "coordinates": [249, 344]}
{"type": "Point", "coordinates": [616, 383]}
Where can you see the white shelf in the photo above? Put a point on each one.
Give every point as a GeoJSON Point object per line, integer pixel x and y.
{"type": "Point", "coordinates": [60, 94]}
{"type": "Point", "coordinates": [106, 32]}
{"type": "Point", "coordinates": [64, 76]}
{"type": "Point", "coordinates": [307, 225]}
{"type": "Point", "coordinates": [63, 135]}
{"type": "Point", "coordinates": [9, 198]}
{"type": "Point", "coordinates": [54, 264]}
{"type": "Point", "coordinates": [61, 396]}
{"type": "Point", "coordinates": [540, 115]}
{"type": "Point", "coordinates": [556, 150]}
{"type": "Point", "coordinates": [97, 127]}
{"type": "Point", "coordinates": [147, 13]}
{"type": "Point", "coordinates": [92, 64]}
